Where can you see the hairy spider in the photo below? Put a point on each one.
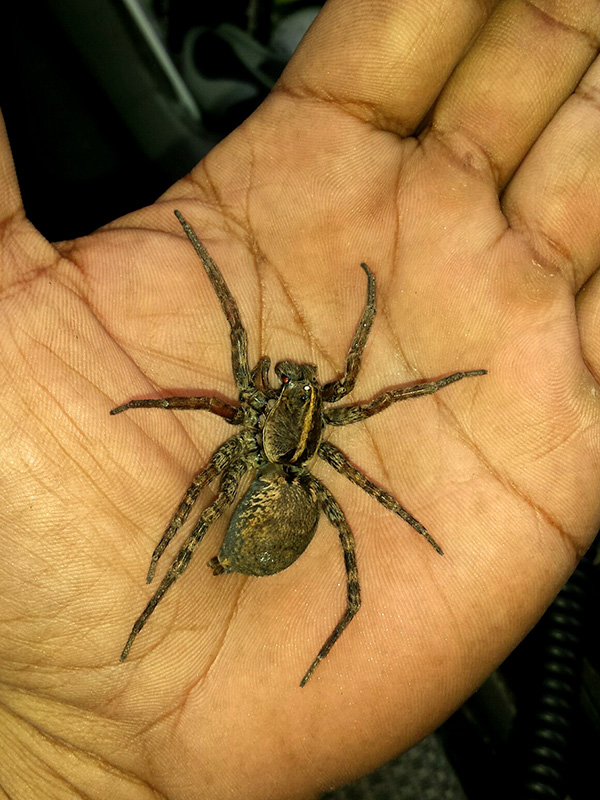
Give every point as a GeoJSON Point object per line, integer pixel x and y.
{"type": "Point", "coordinates": [281, 432]}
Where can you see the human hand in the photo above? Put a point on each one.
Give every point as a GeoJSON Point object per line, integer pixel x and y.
{"type": "Point", "coordinates": [501, 469]}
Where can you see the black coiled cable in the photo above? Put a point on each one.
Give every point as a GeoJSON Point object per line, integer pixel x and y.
{"type": "Point", "coordinates": [545, 729]}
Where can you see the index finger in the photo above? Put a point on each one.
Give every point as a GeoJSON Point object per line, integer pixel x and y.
{"type": "Point", "coordinates": [386, 62]}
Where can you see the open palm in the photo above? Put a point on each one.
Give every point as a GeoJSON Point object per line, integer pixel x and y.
{"type": "Point", "coordinates": [501, 468]}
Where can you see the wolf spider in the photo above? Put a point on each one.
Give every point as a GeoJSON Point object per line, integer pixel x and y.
{"type": "Point", "coordinates": [282, 430]}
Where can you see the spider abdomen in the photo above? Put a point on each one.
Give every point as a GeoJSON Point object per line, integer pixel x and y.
{"type": "Point", "coordinates": [273, 524]}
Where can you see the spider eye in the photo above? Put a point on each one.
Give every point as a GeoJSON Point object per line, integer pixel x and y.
{"type": "Point", "coordinates": [285, 379]}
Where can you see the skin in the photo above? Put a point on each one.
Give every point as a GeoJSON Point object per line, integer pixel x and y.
{"type": "Point", "coordinates": [345, 162]}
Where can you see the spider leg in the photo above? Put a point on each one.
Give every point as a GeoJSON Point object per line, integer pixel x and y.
{"type": "Point", "coordinates": [228, 489]}
{"type": "Point", "coordinates": [239, 338]}
{"type": "Point", "coordinates": [340, 388]}
{"type": "Point", "coordinates": [337, 518]}
{"type": "Point", "coordinates": [339, 462]}
{"type": "Point", "coordinates": [220, 460]}
{"type": "Point", "coordinates": [232, 414]}
{"type": "Point", "coordinates": [345, 415]}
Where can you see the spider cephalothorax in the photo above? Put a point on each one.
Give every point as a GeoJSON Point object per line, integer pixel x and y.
{"type": "Point", "coordinates": [281, 431]}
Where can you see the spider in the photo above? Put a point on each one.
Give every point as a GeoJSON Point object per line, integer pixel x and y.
{"type": "Point", "coordinates": [281, 432]}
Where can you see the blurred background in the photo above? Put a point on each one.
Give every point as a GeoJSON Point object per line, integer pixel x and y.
{"type": "Point", "coordinates": [107, 103]}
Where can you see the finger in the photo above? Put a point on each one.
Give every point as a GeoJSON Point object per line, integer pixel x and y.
{"type": "Point", "coordinates": [23, 251]}
{"type": "Point", "coordinates": [526, 62]}
{"type": "Point", "coordinates": [384, 61]}
{"type": "Point", "coordinates": [588, 321]}
{"type": "Point", "coordinates": [10, 197]}
{"type": "Point", "coordinates": [555, 195]}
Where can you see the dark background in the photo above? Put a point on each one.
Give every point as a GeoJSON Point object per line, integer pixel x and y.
{"type": "Point", "coordinates": [108, 102]}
